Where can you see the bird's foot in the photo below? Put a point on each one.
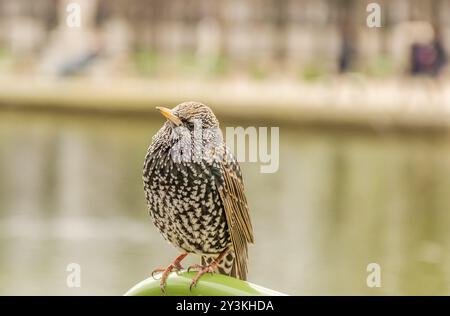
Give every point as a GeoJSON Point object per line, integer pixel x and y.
{"type": "Point", "coordinates": [211, 268]}
{"type": "Point", "coordinates": [176, 264]}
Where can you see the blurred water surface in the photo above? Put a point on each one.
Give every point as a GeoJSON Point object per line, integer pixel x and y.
{"type": "Point", "coordinates": [71, 191]}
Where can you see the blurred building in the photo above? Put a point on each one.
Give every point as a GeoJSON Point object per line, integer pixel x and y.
{"type": "Point", "coordinates": [274, 35]}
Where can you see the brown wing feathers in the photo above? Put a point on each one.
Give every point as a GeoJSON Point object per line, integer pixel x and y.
{"type": "Point", "coordinates": [238, 218]}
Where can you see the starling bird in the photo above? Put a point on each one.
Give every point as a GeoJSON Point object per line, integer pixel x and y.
{"type": "Point", "coordinates": [195, 193]}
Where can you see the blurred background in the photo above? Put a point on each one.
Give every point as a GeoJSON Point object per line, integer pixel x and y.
{"type": "Point", "coordinates": [364, 117]}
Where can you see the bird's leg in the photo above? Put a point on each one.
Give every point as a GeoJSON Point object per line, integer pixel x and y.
{"type": "Point", "coordinates": [176, 264]}
{"type": "Point", "coordinates": [205, 269]}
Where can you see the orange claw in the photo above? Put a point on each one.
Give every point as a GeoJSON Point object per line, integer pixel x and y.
{"type": "Point", "coordinates": [176, 264]}
{"type": "Point", "coordinates": [157, 270]}
{"type": "Point", "coordinates": [203, 269]}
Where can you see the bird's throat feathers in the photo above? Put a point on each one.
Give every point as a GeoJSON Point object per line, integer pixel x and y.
{"type": "Point", "coordinates": [190, 144]}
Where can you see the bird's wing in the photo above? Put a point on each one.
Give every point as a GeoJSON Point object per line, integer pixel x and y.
{"type": "Point", "coordinates": [236, 211]}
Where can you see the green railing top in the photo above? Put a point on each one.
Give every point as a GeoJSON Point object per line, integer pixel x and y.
{"type": "Point", "coordinates": [209, 285]}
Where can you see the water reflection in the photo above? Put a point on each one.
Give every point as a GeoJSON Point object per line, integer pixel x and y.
{"type": "Point", "coordinates": [70, 191]}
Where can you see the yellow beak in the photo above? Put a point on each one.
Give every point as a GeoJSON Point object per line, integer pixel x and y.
{"type": "Point", "coordinates": [167, 113]}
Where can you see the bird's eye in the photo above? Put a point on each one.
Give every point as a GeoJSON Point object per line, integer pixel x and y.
{"type": "Point", "coordinates": [188, 124]}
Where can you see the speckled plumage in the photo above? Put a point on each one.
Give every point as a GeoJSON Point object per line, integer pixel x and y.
{"type": "Point", "coordinates": [197, 201]}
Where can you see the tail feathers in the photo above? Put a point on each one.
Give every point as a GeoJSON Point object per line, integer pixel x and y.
{"type": "Point", "coordinates": [228, 266]}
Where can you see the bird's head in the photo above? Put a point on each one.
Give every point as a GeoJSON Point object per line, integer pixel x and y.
{"type": "Point", "coordinates": [191, 132]}
{"type": "Point", "coordinates": [187, 114]}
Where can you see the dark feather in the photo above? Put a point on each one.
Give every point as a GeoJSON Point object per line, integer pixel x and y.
{"type": "Point", "coordinates": [237, 213]}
